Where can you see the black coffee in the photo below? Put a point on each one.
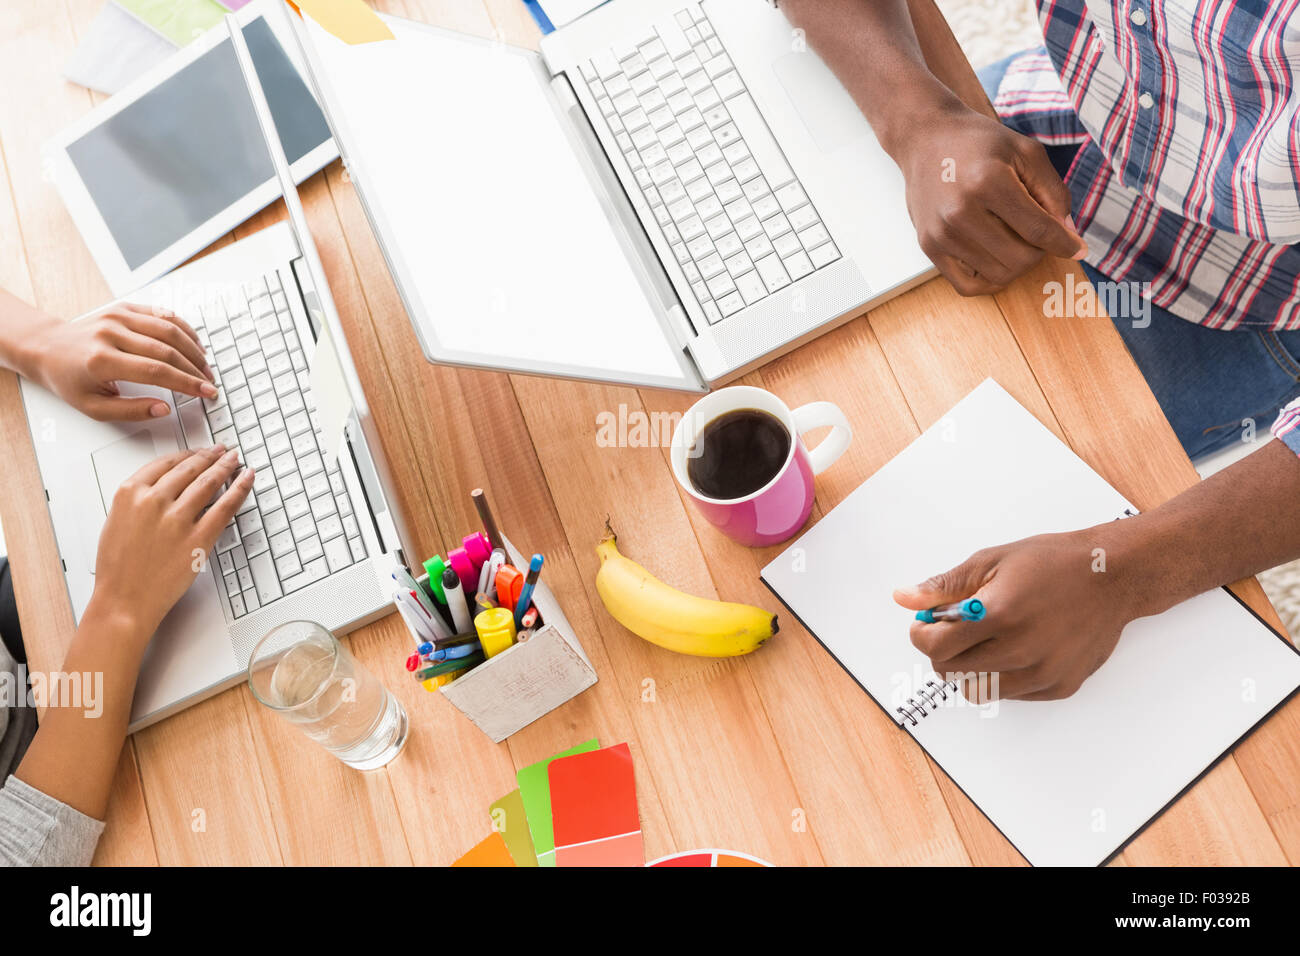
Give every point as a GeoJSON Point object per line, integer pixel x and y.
{"type": "Point", "coordinates": [737, 453]}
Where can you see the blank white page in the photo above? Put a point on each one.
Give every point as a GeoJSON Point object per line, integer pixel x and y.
{"type": "Point", "coordinates": [501, 246]}
{"type": "Point", "coordinates": [1068, 782]}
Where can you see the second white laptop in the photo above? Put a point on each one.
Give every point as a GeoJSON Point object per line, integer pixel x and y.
{"type": "Point", "coordinates": [669, 194]}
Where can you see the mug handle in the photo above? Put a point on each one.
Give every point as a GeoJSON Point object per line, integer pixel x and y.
{"type": "Point", "coordinates": [818, 415]}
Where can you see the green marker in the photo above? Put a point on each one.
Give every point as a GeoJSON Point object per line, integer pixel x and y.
{"type": "Point", "coordinates": [435, 566]}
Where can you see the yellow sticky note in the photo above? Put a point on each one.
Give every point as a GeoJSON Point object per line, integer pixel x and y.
{"type": "Point", "coordinates": [510, 820]}
{"type": "Point", "coordinates": [491, 851]}
{"type": "Point", "coordinates": [352, 21]}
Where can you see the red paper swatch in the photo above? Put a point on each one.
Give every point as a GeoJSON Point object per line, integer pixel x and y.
{"type": "Point", "coordinates": [593, 809]}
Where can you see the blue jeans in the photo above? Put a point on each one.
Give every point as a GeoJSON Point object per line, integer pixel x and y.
{"type": "Point", "coordinates": [1215, 387]}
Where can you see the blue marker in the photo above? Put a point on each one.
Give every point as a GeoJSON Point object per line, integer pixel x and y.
{"type": "Point", "coordinates": [448, 653]}
{"type": "Point", "coordinates": [526, 595]}
{"type": "Point", "coordinates": [971, 609]}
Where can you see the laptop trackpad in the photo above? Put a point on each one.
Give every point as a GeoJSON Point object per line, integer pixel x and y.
{"type": "Point", "coordinates": [116, 462]}
{"type": "Point", "coordinates": [824, 105]}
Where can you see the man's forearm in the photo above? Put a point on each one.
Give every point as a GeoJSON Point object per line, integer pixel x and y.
{"type": "Point", "coordinates": [873, 49]}
{"type": "Point", "coordinates": [1236, 523]}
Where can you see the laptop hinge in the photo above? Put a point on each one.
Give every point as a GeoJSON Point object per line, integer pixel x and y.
{"type": "Point", "coordinates": [571, 108]}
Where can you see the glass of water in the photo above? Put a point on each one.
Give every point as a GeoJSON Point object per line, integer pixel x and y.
{"type": "Point", "coordinates": [300, 671]}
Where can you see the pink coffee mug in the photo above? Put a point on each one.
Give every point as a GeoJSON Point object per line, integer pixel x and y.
{"type": "Point", "coordinates": [776, 511]}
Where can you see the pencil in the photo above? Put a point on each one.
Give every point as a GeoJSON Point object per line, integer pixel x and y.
{"type": "Point", "coordinates": [485, 515]}
{"type": "Point", "coordinates": [469, 637]}
{"type": "Point", "coordinates": [457, 664]}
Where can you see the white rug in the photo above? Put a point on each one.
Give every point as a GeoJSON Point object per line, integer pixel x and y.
{"type": "Point", "coordinates": [988, 30]}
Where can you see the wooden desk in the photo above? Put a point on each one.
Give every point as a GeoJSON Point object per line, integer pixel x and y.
{"type": "Point", "coordinates": [777, 754]}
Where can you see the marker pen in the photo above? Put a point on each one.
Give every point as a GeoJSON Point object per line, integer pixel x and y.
{"type": "Point", "coordinates": [456, 601]}
{"type": "Point", "coordinates": [971, 609]}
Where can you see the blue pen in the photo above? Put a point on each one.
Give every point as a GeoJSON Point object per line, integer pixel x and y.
{"type": "Point", "coordinates": [449, 653]}
{"type": "Point", "coordinates": [526, 594]}
{"type": "Point", "coordinates": [971, 609]}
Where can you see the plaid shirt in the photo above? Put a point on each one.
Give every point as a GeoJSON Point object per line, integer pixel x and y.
{"type": "Point", "coordinates": [1185, 112]}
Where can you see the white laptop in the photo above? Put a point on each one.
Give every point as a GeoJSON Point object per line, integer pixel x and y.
{"type": "Point", "coordinates": [669, 194]}
{"type": "Point", "coordinates": [319, 535]}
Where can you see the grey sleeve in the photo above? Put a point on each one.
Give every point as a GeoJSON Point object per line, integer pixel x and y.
{"type": "Point", "coordinates": [37, 830]}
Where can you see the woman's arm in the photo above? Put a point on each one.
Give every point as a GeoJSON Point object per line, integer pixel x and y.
{"type": "Point", "coordinates": [82, 362]}
{"type": "Point", "coordinates": [155, 542]}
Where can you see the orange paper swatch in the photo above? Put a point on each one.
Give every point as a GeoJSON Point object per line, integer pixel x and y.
{"type": "Point", "coordinates": [593, 809]}
{"type": "Point", "coordinates": [352, 21]}
{"type": "Point", "coordinates": [491, 852]}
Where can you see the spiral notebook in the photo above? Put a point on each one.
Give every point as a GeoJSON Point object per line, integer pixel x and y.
{"type": "Point", "coordinates": [1068, 782]}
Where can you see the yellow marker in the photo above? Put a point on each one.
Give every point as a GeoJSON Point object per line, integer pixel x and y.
{"type": "Point", "coordinates": [496, 630]}
{"type": "Point", "coordinates": [433, 683]}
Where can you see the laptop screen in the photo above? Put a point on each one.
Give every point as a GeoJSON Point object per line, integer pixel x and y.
{"type": "Point", "coordinates": [187, 149]}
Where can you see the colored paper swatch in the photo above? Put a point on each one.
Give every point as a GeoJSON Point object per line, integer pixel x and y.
{"type": "Point", "coordinates": [491, 851]}
{"type": "Point", "coordinates": [178, 20]}
{"type": "Point", "coordinates": [709, 858]}
{"type": "Point", "coordinates": [352, 21]}
{"type": "Point", "coordinates": [535, 791]}
{"type": "Point", "coordinates": [234, 5]}
{"type": "Point", "coordinates": [511, 820]}
{"type": "Point", "coordinates": [693, 858]}
{"type": "Point", "coordinates": [593, 809]}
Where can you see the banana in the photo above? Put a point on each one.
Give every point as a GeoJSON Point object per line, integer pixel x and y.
{"type": "Point", "coordinates": [673, 619]}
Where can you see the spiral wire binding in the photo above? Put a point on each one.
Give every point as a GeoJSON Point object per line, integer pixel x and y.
{"type": "Point", "coordinates": [926, 701]}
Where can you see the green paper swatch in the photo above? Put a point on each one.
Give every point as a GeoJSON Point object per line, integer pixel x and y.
{"type": "Point", "coordinates": [178, 20]}
{"type": "Point", "coordinates": [535, 790]}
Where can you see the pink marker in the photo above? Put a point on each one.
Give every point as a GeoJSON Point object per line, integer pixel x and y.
{"type": "Point", "coordinates": [477, 547]}
{"type": "Point", "coordinates": [459, 561]}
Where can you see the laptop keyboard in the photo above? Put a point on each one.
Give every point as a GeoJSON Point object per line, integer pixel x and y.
{"type": "Point", "coordinates": [298, 525]}
{"type": "Point", "coordinates": [732, 211]}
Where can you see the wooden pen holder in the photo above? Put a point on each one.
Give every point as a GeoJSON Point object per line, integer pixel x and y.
{"type": "Point", "coordinates": [526, 681]}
